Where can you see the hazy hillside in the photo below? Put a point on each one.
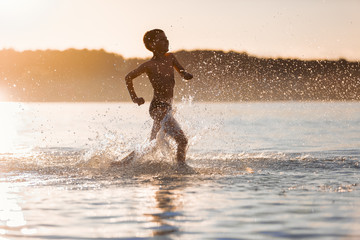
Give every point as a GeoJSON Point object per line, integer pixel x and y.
{"type": "Point", "coordinates": [84, 75]}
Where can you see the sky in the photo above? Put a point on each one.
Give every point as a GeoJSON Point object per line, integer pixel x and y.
{"type": "Point", "coordinates": [305, 29]}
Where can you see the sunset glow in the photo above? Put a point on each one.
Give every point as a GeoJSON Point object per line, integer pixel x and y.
{"type": "Point", "coordinates": [280, 28]}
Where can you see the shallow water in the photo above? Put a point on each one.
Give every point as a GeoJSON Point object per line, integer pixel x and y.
{"type": "Point", "coordinates": [284, 170]}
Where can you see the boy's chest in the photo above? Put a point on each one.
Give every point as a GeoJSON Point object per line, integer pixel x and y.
{"type": "Point", "coordinates": [162, 76]}
{"type": "Point", "coordinates": [161, 69]}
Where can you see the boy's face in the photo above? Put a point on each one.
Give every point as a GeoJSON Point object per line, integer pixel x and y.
{"type": "Point", "coordinates": [161, 43]}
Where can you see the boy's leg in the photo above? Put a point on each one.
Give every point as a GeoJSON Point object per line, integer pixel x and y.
{"type": "Point", "coordinates": [157, 114]}
{"type": "Point", "coordinates": [155, 129]}
{"type": "Point", "coordinates": [172, 127]}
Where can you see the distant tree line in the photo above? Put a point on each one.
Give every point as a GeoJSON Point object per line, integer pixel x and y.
{"type": "Point", "coordinates": [96, 75]}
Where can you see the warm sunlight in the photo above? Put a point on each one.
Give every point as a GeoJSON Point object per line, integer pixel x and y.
{"type": "Point", "coordinates": [9, 123]}
{"type": "Point", "coordinates": [301, 29]}
{"type": "Point", "coordinates": [11, 214]}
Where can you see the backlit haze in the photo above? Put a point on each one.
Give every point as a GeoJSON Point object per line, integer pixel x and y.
{"type": "Point", "coordinates": [303, 29]}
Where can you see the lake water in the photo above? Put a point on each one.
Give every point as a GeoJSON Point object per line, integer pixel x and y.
{"type": "Point", "coordinates": [283, 170]}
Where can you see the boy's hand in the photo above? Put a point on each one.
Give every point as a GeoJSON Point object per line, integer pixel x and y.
{"type": "Point", "coordinates": [139, 101]}
{"type": "Point", "coordinates": [188, 76]}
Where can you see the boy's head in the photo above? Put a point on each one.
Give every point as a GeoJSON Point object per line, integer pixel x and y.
{"type": "Point", "coordinates": [152, 39]}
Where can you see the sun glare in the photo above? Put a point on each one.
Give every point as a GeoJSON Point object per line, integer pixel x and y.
{"type": "Point", "coordinates": [9, 123]}
{"type": "Point", "coordinates": [11, 214]}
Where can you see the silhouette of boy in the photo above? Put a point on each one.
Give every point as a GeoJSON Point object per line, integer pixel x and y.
{"type": "Point", "coordinates": [160, 71]}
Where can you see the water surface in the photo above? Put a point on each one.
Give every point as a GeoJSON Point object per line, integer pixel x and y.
{"type": "Point", "coordinates": [283, 170]}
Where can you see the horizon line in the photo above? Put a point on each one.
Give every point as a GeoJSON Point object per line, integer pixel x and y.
{"type": "Point", "coordinates": [186, 50]}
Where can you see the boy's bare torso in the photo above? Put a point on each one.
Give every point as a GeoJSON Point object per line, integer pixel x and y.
{"type": "Point", "coordinates": [161, 75]}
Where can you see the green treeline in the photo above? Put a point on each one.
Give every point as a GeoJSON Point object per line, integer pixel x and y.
{"type": "Point", "coordinates": [96, 75]}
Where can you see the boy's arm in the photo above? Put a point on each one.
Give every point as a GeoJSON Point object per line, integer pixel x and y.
{"type": "Point", "coordinates": [180, 69]}
{"type": "Point", "coordinates": [129, 84]}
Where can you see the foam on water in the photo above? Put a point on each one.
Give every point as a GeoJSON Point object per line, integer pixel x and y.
{"type": "Point", "coordinates": [153, 160]}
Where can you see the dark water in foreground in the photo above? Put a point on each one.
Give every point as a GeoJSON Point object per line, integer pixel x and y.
{"type": "Point", "coordinates": [255, 171]}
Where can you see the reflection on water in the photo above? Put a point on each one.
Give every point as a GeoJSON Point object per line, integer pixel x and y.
{"type": "Point", "coordinates": [168, 207]}
{"type": "Point", "coordinates": [28, 127]}
{"type": "Point", "coordinates": [84, 208]}
{"type": "Point", "coordinates": [11, 213]}
{"type": "Point", "coordinates": [232, 127]}
{"type": "Point", "coordinates": [265, 171]}
{"type": "Point", "coordinates": [9, 126]}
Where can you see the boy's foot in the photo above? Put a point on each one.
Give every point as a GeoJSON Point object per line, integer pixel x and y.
{"type": "Point", "coordinates": [181, 163]}
{"type": "Point", "coordinates": [126, 160]}
{"type": "Point", "coordinates": [184, 169]}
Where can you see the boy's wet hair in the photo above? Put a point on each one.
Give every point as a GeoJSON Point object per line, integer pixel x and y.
{"type": "Point", "coordinates": [150, 36]}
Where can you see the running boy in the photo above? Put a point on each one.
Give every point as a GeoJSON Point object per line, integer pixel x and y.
{"type": "Point", "coordinates": [160, 71]}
